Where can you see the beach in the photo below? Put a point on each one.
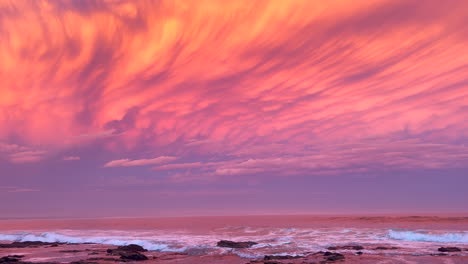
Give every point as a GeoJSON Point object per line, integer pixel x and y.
{"type": "Point", "coordinates": [243, 239]}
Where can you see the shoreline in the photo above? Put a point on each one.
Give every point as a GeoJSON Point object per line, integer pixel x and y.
{"type": "Point", "coordinates": [88, 253]}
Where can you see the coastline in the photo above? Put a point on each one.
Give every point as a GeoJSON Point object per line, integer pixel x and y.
{"type": "Point", "coordinates": [87, 253]}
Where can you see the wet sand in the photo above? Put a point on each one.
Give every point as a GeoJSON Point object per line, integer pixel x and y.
{"type": "Point", "coordinates": [97, 253]}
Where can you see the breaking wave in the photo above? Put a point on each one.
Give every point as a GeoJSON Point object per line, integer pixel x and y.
{"type": "Point", "coordinates": [52, 237]}
{"type": "Point", "coordinates": [461, 237]}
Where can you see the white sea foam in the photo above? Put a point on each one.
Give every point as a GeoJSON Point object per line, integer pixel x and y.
{"type": "Point", "coordinates": [270, 240]}
{"type": "Point", "coordinates": [461, 237]}
{"type": "Point", "coordinates": [52, 237]}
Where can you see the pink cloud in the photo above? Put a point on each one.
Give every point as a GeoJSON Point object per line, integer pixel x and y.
{"type": "Point", "coordinates": [139, 162]}
{"type": "Point", "coordinates": [71, 158]}
{"type": "Point", "coordinates": [12, 189]}
{"type": "Point", "coordinates": [330, 87]}
{"type": "Point", "coordinates": [27, 156]}
{"type": "Point", "coordinates": [180, 166]}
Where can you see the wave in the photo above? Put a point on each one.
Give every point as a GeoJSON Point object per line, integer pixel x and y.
{"type": "Point", "coordinates": [52, 237]}
{"type": "Point", "coordinates": [427, 237]}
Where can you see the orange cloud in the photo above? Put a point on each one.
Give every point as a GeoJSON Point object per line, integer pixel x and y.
{"type": "Point", "coordinates": [246, 80]}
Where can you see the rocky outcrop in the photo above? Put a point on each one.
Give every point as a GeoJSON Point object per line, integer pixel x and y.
{"type": "Point", "coordinates": [128, 248]}
{"type": "Point", "coordinates": [232, 244]}
{"type": "Point", "coordinates": [128, 252]}
{"type": "Point", "coordinates": [329, 256]}
{"type": "Point", "coordinates": [128, 255]}
{"type": "Point", "coordinates": [449, 249]}
{"type": "Point", "coordinates": [132, 247]}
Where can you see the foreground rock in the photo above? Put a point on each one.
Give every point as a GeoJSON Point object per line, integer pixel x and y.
{"type": "Point", "coordinates": [132, 256]}
{"type": "Point", "coordinates": [232, 244]}
{"type": "Point", "coordinates": [129, 252]}
{"type": "Point", "coordinates": [132, 247]}
{"type": "Point", "coordinates": [346, 248]}
{"type": "Point", "coordinates": [329, 256]}
{"type": "Point", "coordinates": [8, 259]}
{"type": "Point", "coordinates": [128, 248]}
{"type": "Point", "coordinates": [449, 249]}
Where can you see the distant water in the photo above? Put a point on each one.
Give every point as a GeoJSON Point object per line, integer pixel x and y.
{"type": "Point", "coordinates": [277, 235]}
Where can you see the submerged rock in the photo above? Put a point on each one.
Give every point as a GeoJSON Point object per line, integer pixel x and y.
{"type": "Point", "coordinates": [104, 259]}
{"type": "Point", "coordinates": [232, 244]}
{"type": "Point", "coordinates": [449, 249]}
{"type": "Point", "coordinates": [270, 257]}
{"type": "Point", "coordinates": [70, 251]}
{"type": "Point", "coordinates": [26, 244]}
{"type": "Point", "coordinates": [385, 248]}
{"type": "Point", "coordinates": [346, 248]}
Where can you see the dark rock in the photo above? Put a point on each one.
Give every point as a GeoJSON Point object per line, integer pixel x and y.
{"type": "Point", "coordinates": [104, 259]}
{"type": "Point", "coordinates": [346, 248]}
{"type": "Point", "coordinates": [8, 259]}
{"type": "Point", "coordinates": [128, 248]}
{"type": "Point", "coordinates": [83, 262]}
{"type": "Point", "coordinates": [23, 262]}
{"type": "Point", "coordinates": [70, 251]}
{"type": "Point", "coordinates": [26, 244]}
{"type": "Point", "coordinates": [329, 256]}
{"type": "Point", "coordinates": [54, 245]}
{"type": "Point", "coordinates": [93, 253]}
{"type": "Point", "coordinates": [14, 260]}
{"type": "Point", "coordinates": [270, 257]}
{"type": "Point", "coordinates": [359, 253]}
{"type": "Point", "coordinates": [439, 254]}
{"type": "Point", "coordinates": [132, 247]}
{"type": "Point", "coordinates": [232, 244]}
{"type": "Point", "coordinates": [132, 256]}
{"type": "Point", "coordinates": [449, 249]}
{"type": "Point", "coordinates": [385, 248]}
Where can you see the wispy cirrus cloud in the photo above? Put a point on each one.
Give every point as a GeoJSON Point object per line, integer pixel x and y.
{"type": "Point", "coordinates": [71, 158]}
{"type": "Point", "coordinates": [21, 154]}
{"type": "Point", "coordinates": [139, 162]}
{"type": "Point", "coordinates": [13, 189]}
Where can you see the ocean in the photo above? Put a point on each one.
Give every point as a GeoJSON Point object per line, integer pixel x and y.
{"type": "Point", "coordinates": [275, 235]}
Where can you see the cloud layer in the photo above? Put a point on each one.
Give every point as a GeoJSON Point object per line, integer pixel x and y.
{"type": "Point", "coordinates": [237, 88]}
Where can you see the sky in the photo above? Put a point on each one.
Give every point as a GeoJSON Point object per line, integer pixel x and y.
{"type": "Point", "coordinates": [155, 108]}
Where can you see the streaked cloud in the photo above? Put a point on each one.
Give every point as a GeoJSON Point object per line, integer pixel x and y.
{"type": "Point", "coordinates": [13, 189]}
{"type": "Point", "coordinates": [238, 88]}
{"type": "Point", "coordinates": [139, 162]}
{"type": "Point", "coordinates": [71, 158]}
